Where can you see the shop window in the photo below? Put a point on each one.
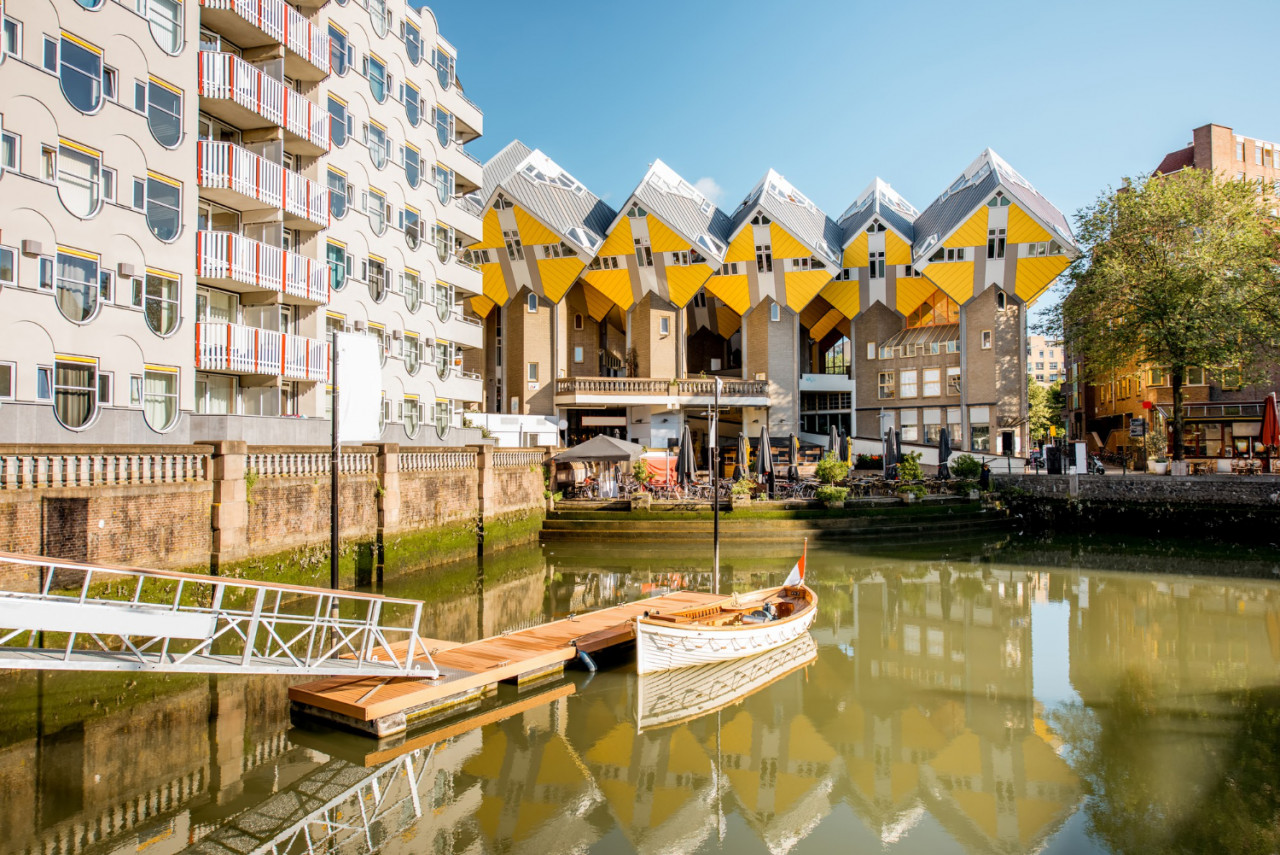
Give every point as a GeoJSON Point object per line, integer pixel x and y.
{"type": "Point", "coordinates": [162, 304]}
{"type": "Point", "coordinates": [75, 391]}
{"type": "Point", "coordinates": [160, 398]}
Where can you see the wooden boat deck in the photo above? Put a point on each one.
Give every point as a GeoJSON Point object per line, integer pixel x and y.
{"type": "Point", "coordinates": [474, 666]}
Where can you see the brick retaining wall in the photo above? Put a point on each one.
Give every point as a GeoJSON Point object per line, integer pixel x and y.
{"type": "Point", "coordinates": [1258, 490]}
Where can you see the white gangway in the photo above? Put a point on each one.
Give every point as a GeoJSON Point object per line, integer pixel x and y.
{"type": "Point", "coordinates": [88, 617]}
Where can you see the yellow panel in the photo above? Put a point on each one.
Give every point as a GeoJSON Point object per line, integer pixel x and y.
{"type": "Point", "coordinates": [495, 287]}
{"type": "Point", "coordinates": [973, 232]}
{"type": "Point", "coordinates": [732, 290]}
{"type": "Point", "coordinates": [803, 286]}
{"type": "Point", "coordinates": [843, 296]}
{"type": "Point", "coordinates": [826, 325]}
{"type": "Point", "coordinates": [614, 284]}
{"type": "Point", "coordinates": [955, 278]}
{"type": "Point", "coordinates": [896, 250]}
{"type": "Point", "coordinates": [743, 247]}
{"type": "Point", "coordinates": [662, 239]}
{"type": "Point", "coordinates": [784, 245]}
{"type": "Point", "coordinates": [598, 305]}
{"type": "Point", "coordinates": [684, 282]}
{"type": "Point", "coordinates": [492, 231]}
{"type": "Point", "coordinates": [912, 292]}
{"type": "Point", "coordinates": [557, 275]}
{"type": "Point", "coordinates": [1023, 229]}
{"type": "Point", "coordinates": [1035, 275]}
{"type": "Point", "coordinates": [727, 320]}
{"type": "Point", "coordinates": [855, 254]}
{"type": "Point", "coordinates": [531, 231]}
{"type": "Point", "coordinates": [619, 241]}
{"type": "Point", "coordinates": [482, 305]}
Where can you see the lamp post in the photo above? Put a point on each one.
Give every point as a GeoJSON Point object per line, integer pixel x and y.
{"type": "Point", "coordinates": [715, 488]}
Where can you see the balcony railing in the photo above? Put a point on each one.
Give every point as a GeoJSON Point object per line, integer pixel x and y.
{"type": "Point", "coordinates": [226, 255]}
{"type": "Point", "coordinates": [250, 350]}
{"type": "Point", "coordinates": [658, 386]}
{"type": "Point", "coordinates": [227, 76]}
{"type": "Point", "coordinates": [469, 156]}
{"type": "Point", "coordinates": [227, 166]}
{"type": "Point", "coordinates": [283, 23]}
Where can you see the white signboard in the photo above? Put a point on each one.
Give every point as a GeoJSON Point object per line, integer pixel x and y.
{"type": "Point", "coordinates": [359, 385]}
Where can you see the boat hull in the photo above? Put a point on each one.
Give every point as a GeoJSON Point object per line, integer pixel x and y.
{"type": "Point", "coordinates": [662, 647]}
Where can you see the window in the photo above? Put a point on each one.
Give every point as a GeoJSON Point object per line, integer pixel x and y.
{"type": "Point", "coordinates": [932, 382]}
{"type": "Point", "coordinates": [160, 397]}
{"type": "Point", "coordinates": [10, 151]}
{"type": "Point", "coordinates": [411, 353]}
{"type": "Point", "coordinates": [76, 285]}
{"type": "Point", "coordinates": [910, 426]}
{"type": "Point", "coordinates": [79, 174]}
{"type": "Point", "coordinates": [12, 43]}
{"type": "Point", "coordinates": [1257, 154]}
{"type": "Point", "coordinates": [338, 50]}
{"type": "Point", "coordinates": [376, 72]}
{"type": "Point", "coordinates": [515, 251]}
{"type": "Point", "coordinates": [444, 241]}
{"type": "Point", "coordinates": [644, 254]}
{"type": "Point", "coordinates": [953, 380]}
{"type": "Point", "coordinates": [339, 121]}
{"type": "Point", "coordinates": [412, 416]}
{"type": "Point", "coordinates": [533, 372]}
{"type": "Point", "coordinates": [577, 321]}
{"type": "Point", "coordinates": [164, 206]}
{"type": "Point", "coordinates": [995, 243]}
{"type": "Point", "coordinates": [775, 312]}
{"type": "Point", "coordinates": [1002, 301]}
{"type": "Point", "coordinates": [444, 67]}
{"type": "Point", "coordinates": [375, 137]}
{"type": "Point", "coordinates": [886, 384]}
{"type": "Point", "coordinates": [376, 208]}
{"type": "Point", "coordinates": [664, 326]}
{"type": "Point", "coordinates": [980, 437]}
{"type": "Point", "coordinates": [908, 382]}
{"type": "Point", "coordinates": [953, 346]}
{"type": "Point", "coordinates": [166, 23]}
{"type": "Point", "coordinates": [164, 112]}
{"type": "Point", "coordinates": [443, 178]}
{"type": "Point", "coordinates": [412, 40]}
{"type": "Point", "coordinates": [411, 223]}
{"type": "Point", "coordinates": [339, 264]}
{"type": "Point", "coordinates": [1039, 366]}
{"type": "Point", "coordinates": [162, 307]}
{"type": "Point", "coordinates": [986, 339]}
{"type": "Point", "coordinates": [764, 258]}
{"type": "Point", "coordinates": [877, 265]}
{"type": "Point", "coordinates": [411, 160]}
{"type": "Point", "coordinates": [1239, 150]}
{"type": "Point", "coordinates": [444, 126]}
{"type": "Point", "coordinates": [532, 303]}
{"type": "Point", "coordinates": [338, 193]}
{"type": "Point", "coordinates": [7, 373]}
{"type": "Point", "coordinates": [78, 65]}
{"type": "Point", "coordinates": [411, 287]}
{"type": "Point", "coordinates": [8, 266]}
{"type": "Point", "coordinates": [75, 391]}
{"type": "Point", "coordinates": [412, 100]}
{"type": "Point", "coordinates": [377, 278]}
{"type": "Point", "coordinates": [444, 300]}
{"type": "Point", "coordinates": [1231, 379]}
{"type": "Point", "coordinates": [577, 354]}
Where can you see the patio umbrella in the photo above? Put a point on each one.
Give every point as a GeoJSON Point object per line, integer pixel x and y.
{"type": "Point", "coordinates": [793, 469]}
{"type": "Point", "coordinates": [764, 459]}
{"type": "Point", "coordinates": [833, 439]}
{"type": "Point", "coordinates": [740, 470]}
{"type": "Point", "coordinates": [886, 451]}
{"type": "Point", "coordinates": [1270, 423]}
{"type": "Point", "coordinates": [684, 459]}
{"type": "Point", "coordinates": [944, 454]}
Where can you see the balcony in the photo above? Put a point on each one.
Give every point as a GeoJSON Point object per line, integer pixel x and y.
{"type": "Point", "coordinates": [239, 263]}
{"type": "Point", "coordinates": [460, 329]}
{"type": "Point", "coordinates": [468, 172]}
{"type": "Point", "coordinates": [458, 385]}
{"type": "Point", "coordinates": [469, 117]}
{"type": "Point", "coordinates": [260, 23]}
{"type": "Point", "coordinates": [244, 96]}
{"type": "Point", "coordinates": [249, 350]}
{"type": "Point", "coordinates": [623, 391]}
{"type": "Point", "coordinates": [462, 219]}
{"type": "Point", "coordinates": [238, 178]}
{"type": "Point", "coordinates": [833, 382]}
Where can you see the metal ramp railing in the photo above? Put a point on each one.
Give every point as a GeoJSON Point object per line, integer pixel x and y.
{"type": "Point", "coordinates": [86, 617]}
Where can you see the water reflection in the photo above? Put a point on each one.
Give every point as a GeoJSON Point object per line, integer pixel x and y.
{"type": "Point", "coordinates": [989, 700]}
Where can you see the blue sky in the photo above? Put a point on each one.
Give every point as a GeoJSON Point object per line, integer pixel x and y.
{"type": "Point", "coordinates": [832, 94]}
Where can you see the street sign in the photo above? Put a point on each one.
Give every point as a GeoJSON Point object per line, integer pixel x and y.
{"type": "Point", "coordinates": [1138, 428]}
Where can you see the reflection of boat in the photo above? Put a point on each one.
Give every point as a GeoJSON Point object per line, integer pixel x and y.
{"type": "Point", "coordinates": [742, 626]}
{"type": "Point", "coordinates": [683, 694]}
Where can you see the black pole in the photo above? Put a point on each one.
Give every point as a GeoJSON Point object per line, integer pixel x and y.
{"type": "Point", "coordinates": [333, 471]}
{"type": "Point", "coordinates": [715, 487]}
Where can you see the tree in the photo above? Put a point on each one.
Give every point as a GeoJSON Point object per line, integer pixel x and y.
{"type": "Point", "coordinates": [1044, 407]}
{"type": "Point", "coordinates": [831, 468]}
{"type": "Point", "coordinates": [1177, 271]}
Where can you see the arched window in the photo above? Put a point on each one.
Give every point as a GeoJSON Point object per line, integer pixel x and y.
{"type": "Point", "coordinates": [1002, 301]}
{"type": "Point", "coordinates": [162, 305]}
{"type": "Point", "coordinates": [160, 398]}
{"type": "Point", "coordinates": [75, 391]}
{"type": "Point", "coordinates": [164, 206]}
{"type": "Point", "coordinates": [79, 68]}
{"type": "Point", "coordinates": [76, 284]}
{"type": "Point", "coordinates": [163, 105]}
{"type": "Point", "coordinates": [79, 174]}
{"type": "Point", "coordinates": [166, 23]}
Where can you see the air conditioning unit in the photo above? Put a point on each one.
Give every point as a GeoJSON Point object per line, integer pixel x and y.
{"type": "Point", "coordinates": [397, 335]}
{"type": "Point", "coordinates": [32, 247]}
{"type": "Point", "coordinates": [359, 326]}
{"type": "Point", "coordinates": [125, 270]}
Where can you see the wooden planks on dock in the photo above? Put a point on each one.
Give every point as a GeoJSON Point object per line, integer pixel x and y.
{"type": "Point", "coordinates": [477, 664]}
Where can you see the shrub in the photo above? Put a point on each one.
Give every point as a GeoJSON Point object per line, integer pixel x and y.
{"type": "Point", "coordinates": [916, 490]}
{"type": "Point", "coordinates": [831, 468]}
{"type": "Point", "coordinates": [741, 488]}
{"type": "Point", "coordinates": [965, 466]}
{"type": "Point", "coordinates": [640, 471]}
{"type": "Point", "coordinates": [909, 469]}
{"type": "Point", "coordinates": [832, 494]}
{"type": "Point", "coordinates": [868, 461]}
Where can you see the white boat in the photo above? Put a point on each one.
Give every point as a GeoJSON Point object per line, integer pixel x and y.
{"type": "Point", "coordinates": [683, 694]}
{"type": "Point", "coordinates": [737, 627]}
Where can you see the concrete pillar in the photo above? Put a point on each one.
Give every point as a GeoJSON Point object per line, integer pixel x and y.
{"type": "Point", "coordinates": [226, 737]}
{"type": "Point", "coordinates": [486, 501]}
{"type": "Point", "coordinates": [387, 467]}
{"type": "Point", "coordinates": [230, 513]}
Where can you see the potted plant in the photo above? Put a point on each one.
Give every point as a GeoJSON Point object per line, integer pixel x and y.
{"type": "Point", "coordinates": [740, 494]}
{"type": "Point", "coordinates": [832, 497]}
{"type": "Point", "coordinates": [641, 499]}
{"type": "Point", "coordinates": [1157, 453]}
{"type": "Point", "coordinates": [911, 493]}
{"type": "Point", "coordinates": [831, 469]}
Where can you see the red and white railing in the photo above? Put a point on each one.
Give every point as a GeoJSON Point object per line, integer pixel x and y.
{"type": "Point", "coordinates": [227, 76]}
{"type": "Point", "coordinates": [227, 166]}
{"type": "Point", "coordinates": [251, 350]}
{"type": "Point", "coordinates": [226, 255]}
{"type": "Point", "coordinates": [283, 23]}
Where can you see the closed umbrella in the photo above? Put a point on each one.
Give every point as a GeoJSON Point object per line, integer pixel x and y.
{"type": "Point", "coordinates": [740, 471]}
{"type": "Point", "coordinates": [793, 469]}
{"type": "Point", "coordinates": [944, 454]}
{"type": "Point", "coordinates": [833, 439]}
{"type": "Point", "coordinates": [764, 459]}
{"type": "Point", "coordinates": [684, 459]}
{"type": "Point", "coordinates": [886, 452]}
{"type": "Point", "coordinates": [1270, 423]}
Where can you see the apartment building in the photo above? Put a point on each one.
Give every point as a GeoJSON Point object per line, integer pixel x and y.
{"type": "Point", "coordinates": [1045, 360]}
{"type": "Point", "coordinates": [618, 320]}
{"type": "Point", "coordinates": [182, 226]}
{"type": "Point", "coordinates": [1222, 413]}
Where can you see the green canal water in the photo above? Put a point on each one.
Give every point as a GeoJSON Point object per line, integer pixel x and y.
{"type": "Point", "coordinates": [1009, 696]}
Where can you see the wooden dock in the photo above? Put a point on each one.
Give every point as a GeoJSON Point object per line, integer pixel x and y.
{"type": "Point", "coordinates": [382, 706]}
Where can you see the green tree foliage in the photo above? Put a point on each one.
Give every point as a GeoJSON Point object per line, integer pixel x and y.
{"type": "Point", "coordinates": [1044, 407]}
{"type": "Point", "coordinates": [1177, 271]}
{"type": "Point", "coordinates": [964, 466]}
{"type": "Point", "coordinates": [909, 469]}
{"type": "Point", "coordinates": [640, 472]}
{"type": "Point", "coordinates": [831, 468]}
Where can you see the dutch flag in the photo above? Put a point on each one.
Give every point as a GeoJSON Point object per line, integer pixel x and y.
{"type": "Point", "coordinates": [796, 576]}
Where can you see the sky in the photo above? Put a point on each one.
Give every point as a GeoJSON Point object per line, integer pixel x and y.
{"type": "Point", "coordinates": [832, 94]}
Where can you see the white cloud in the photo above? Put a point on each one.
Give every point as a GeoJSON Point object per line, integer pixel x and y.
{"type": "Point", "coordinates": [708, 187]}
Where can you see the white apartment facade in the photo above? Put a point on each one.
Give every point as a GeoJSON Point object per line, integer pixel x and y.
{"type": "Point", "coordinates": [1046, 360]}
{"type": "Point", "coordinates": [194, 195]}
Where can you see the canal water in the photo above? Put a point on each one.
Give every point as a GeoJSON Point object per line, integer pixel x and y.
{"type": "Point", "coordinates": [1060, 696]}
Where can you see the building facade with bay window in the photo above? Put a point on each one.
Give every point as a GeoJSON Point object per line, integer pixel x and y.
{"type": "Point", "coordinates": [183, 226]}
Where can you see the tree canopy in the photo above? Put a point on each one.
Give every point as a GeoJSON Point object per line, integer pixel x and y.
{"type": "Point", "coordinates": [1044, 407]}
{"type": "Point", "coordinates": [1177, 271]}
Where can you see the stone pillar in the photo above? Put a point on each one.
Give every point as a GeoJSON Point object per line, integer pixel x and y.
{"type": "Point", "coordinates": [230, 512]}
{"type": "Point", "coordinates": [486, 501]}
{"type": "Point", "coordinates": [226, 738]}
{"type": "Point", "coordinates": [387, 468]}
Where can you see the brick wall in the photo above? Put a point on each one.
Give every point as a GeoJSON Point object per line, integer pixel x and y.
{"type": "Point", "coordinates": [435, 498]}
{"type": "Point", "coordinates": [285, 513]}
{"type": "Point", "coordinates": [1261, 491]}
{"type": "Point", "coordinates": [516, 488]}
